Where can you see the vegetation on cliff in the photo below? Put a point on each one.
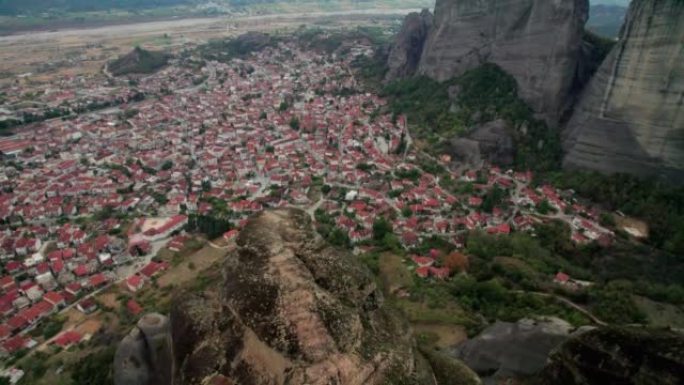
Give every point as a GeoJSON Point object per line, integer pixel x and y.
{"type": "Point", "coordinates": [481, 95]}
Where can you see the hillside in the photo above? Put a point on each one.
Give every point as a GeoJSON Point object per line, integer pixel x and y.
{"type": "Point", "coordinates": [138, 61]}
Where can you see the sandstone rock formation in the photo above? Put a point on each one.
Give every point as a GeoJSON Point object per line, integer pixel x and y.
{"type": "Point", "coordinates": [631, 115]}
{"type": "Point", "coordinates": [408, 45]}
{"type": "Point", "coordinates": [536, 41]}
{"type": "Point", "coordinates": [290, 310]}
{"type": "Point", "coordinates": [628, 356]}
{"type": "Point", "coordinates": [144, 356]}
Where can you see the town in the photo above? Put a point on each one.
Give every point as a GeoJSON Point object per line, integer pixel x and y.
{"type": "Point", "coordinates": [88, 201]}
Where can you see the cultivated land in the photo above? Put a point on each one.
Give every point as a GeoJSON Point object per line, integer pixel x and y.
{"type": "Point", "coordinates": [120, 175]}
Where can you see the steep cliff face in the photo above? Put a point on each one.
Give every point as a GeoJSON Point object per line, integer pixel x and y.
{"type": "Point", "coordinates": [631, 115]}
{"type": "Point", "coordinates": [290, 310]}
{"type": "Point", "coordinates": [628, 356]}
{"type": "Point", "coordinates": [408, 45]}
{"type": "Point", "coordinates": [536, 41]}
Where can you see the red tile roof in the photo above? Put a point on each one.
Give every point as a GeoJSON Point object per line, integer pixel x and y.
{"type": "Point", "coordinates": [53, 297]}
{"type": "Point", "coordinates": [14, 344]}
{"type": "Point", "coordinates": [134, 307]}
{"type": "Point", "coordinates": [68, 338]}
{"type": "Point", "coordinates": [97, 280]}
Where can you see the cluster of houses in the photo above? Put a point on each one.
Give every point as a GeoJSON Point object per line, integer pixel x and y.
{"type": "Point", "coordinates": [252, 139]}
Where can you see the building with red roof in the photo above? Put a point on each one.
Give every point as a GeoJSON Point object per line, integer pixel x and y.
{"type": "Point", "coordinates": [87, 306]}
{"type": "Point", "coordinates": [7, 283]}
{"type": "Point", "coordinates": [17, 323]}
{"type": "Point", "coordinates": [423, 272]}
{"type": "Point", "coordinates": [475, 201]}
{"type": "Point", "coordinates": [231, 234]}
{"type": "Point", "coordinates": [68, 338]}
{"type": "Point", "coordinates": [440, 272]}
{"type": "Point", "coordinates": [133, 307]}
{"type": "Point", "coordinates": [169, 226]}
{"type": "Point", "coordinates": [423, 261]}
{"type": "Point", "coordinates": [54, 298]}
{"type": "Point", "coordinates": [97, 280]}
{"type": "Point", "coordinates": [73, 288]}
{"type": "Point", "coordinates": [134, 283]}
{"type": "Point", "coordinates": [5, 332]}
{"type": "Point", "coordinates": [15, 344]}
{"type": "Point", "coordinates": [153, 268]}
{"type": "Point", "coordinates": [561, 278]}
{"type": "Point", "coordinates": [503, 228]}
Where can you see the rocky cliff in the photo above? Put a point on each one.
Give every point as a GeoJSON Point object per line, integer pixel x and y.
{"type": "Point", "coordinates": [536, 41]}
{"type": "Point", "coordinates": [408, 45]}
{"type": "Point", "coordinates": [628, 356]}
{"type": "Point", "coordinates": [290, 310]}
{"type": "Point", "coordinates": [631, 115]}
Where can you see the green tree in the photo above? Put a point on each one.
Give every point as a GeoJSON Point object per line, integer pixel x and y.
{"type": "Point", "coordinates": [94, 369]}
{"type": "Point", "coordinates": [381, 227]}
{"type": "Point", "coordinates": [294, 123]}
{"type": "Point", "coordinates": [406, 212]}
{"type": "Point", "coordinates": [339, 237]}
{"type": "Point", "coordinates": [544, 207]}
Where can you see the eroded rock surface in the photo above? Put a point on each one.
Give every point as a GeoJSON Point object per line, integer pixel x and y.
{"type": "Point", "coordinates": [144, 356]}
{"type": "Point", "coordinates": [407, 48]}
{"type": "Point", "coordinates": [290, 310]}
{"type": "Point", "coordinates": [631, 116]}
{"type": "Point", "coordinates": [537, 41]}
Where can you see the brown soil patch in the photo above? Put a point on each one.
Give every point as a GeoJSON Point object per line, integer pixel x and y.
{"type": "Point", "coordinates": [189, 268]}
{"type": "Point", "coordinates": [90, 326]}
{"type": "Point", "coordinates": [109, 300]}
{"type": "Point", "coordinates": [634, 227]}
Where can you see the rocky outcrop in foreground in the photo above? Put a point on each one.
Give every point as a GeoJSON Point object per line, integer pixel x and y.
{"type": "Point", "coordinates": [631, 115]}
{"type": "Point", "coordinates": [627, 356]}
{"type": "Point", "coordinates": [290, 310]}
